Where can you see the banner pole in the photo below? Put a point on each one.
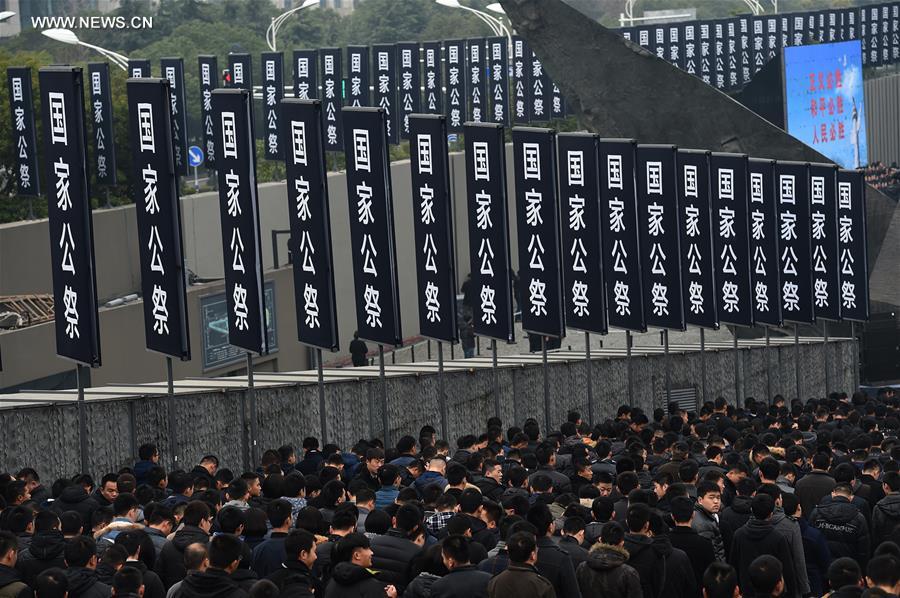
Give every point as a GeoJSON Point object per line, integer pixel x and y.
{"type": "Point", "coordinates": [173, 420]}
{"type": "Point", "coordinates": [797, 357]}
{"type": "Point", "coordinates": [82, 420]}
{"type": "Point", "coordinates": [825, 356]}
{"type": "Point", "coordinates": [768, 367]}
{"type": "Point", "coordinates": [496, 380]}
{"type": "Point", "coordinates": [383, 379]}
{"type": "Point", "coordinates": [668, 367]}
{"type": "Point", "coordinates": [546, 384]}
{"type": "Point", "coordinates": [251, 390]}
{"type": "Point", "coordinates": [628, 341]}
{"type": "Point", "coordinates": [323, 420]}
{"type": "Point", "coordinates": [856, 374]}
{"type": "Point", "coordinates": [590, 380]}
{"type": "Point", "coordinates": [703, 364]}
{"type": "Point", "coordinates": [737, 377]}
{"type": "Point", "coordinates": [442, 398]}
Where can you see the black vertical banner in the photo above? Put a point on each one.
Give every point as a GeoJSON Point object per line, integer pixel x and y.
{"type": "Point", "coordinates": [499, 80]}
{"type": "Point", "coordinates": [273, 91]}
{"type": "Point", "coordinates": [433, 215]}
{"type": "Point", "coordinates": [102, 119]}
{"type": "Point", "coordinates": [885, 25]}
{"type": "Point", "coordinates": [307, 185]}
{"type": "Point", "coordinates": [731, 244]}
{"type": "Point", "coordinates": [433, 78]}
{"type": "Point", "coordinates": [863, 32]}
{"type": "Point", "coordinates": [372, 226]}
{"type": "Point", "coordinates": [764, 242]}
{"type": "Point", "coordinates": [758, 57]}
{"type": "Point", "coordinates": [720, 55]}
{"type": "Point", "coordinates": [557, 102]}
{"type": "Point", "coordinates": [691, 55]}
{"type": "Point", "coordinates": [306, 71]}
{"type": "Point", "coordinates": [358, 76]}
{"type": "Point", "coordinates": [773, 37]}
{"type": "Point", "coordinates": [812, 28]}
{"type": "Point", "coordinates": [698, 280]}
{"type": "Point", "coordinates": [873, 37]}
{"type": "Point", "coordinates": [657, 203]}
{"type": "Point", "coordinates": [241, 71]}
{"type": "Point", "coordinates": [239, 212]}
{"type": "Point", "coordinates": [492, 312]}
{"type": "Point", "coordinates": [21, 108]}
{"type": "Point", "coordinates": [155, 195]}
{"type": "Point", "coordinates": [675, 45]}
{"type": "Point", "coordinates": [833, 27]}
{"type": "Point", "coordinates": [822, 26]}
{"type": "Point", "coordinates": [852, 244]}
{"type": "Point", "coordinates": [798, 29]}
{"type": "Point", "coordinates": [69, 214]}
{"type": "Point", "coordinates": [732, 50]}
{"type": "Point", "coordinates": [410, 84]}
{"type": "Point", "coordinates": [173, 71]}
{"type": "Point", "coordinates": [823, 236]}
{"type": "Point", "coordinates": [209, 80]}
{"type": "Point", "coordinates": [538, 92]}
{"type": "Point", "coordinates": [138, 68]}
{"type": "Point", "coordinates": [579, 190]}
{"type": "Point", "coordinates": [454, 83]}
{"type": "Point", "coordinates": [475, 83]}
{"type": "Point", "coordinates": [384, 66]}
{"type": "Point", "coordinates": [895, 32]}
{"type": "Point", "coordinates": [850, 25]}
{"type": "Point", "coordinates": [784, 31]}
{"type": "Point", "coordinates": [643, 37]}
{"type": "Point", "coordinates": [707, 52]}
{"type": "Point", "coordinates": [330, 65]}
{"type": "Point", "coordinates": [537, 225]}
{"type": "Point", "coordinates": [792, 188]}
{"type": "Point", "coordinates": [621, 249]}
{"type": "Point", "coordinates": [521, 80]}
{"type": "Point", "coordinates": [745, 49]}
{"type": "Point", "coordinates": [659, 42]}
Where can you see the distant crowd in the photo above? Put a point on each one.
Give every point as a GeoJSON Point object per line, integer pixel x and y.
{"type": "Point", "coordinates": [884, 178]}
{"type": "Point", "coordinates": [764, 499]}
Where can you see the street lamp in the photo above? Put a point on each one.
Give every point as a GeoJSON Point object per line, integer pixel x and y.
{"type": "Point", "coordinates": [278, 21]}
{"type": "Point", "coordinates": [6, 14]}
{"type": "Point", "coordinates": [67, 36]}
{"type": "Point", "coordinates": [494, 23]}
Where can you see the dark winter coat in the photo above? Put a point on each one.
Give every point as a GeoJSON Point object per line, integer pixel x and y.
{"type": "Point", "coordinates": [212, 583]}
{"type": "Point", "coordinates": [420, 587]}
{"type": "Point", "coordinates": [392, 556]}
{"type": "Point", "coordinates": [495, 564]}
{"type": "Point", "coordinates": [44, 552]}
{"type": "Point", "coordinates": [885, 517]}
{"type": "Point", "coordinates": [153, 586]}
{"type": "Point", "coordinates": [698, 549]}
{"type": "Point", "coordinates": [555, 564]}
{"type": "Point", "coordinates": [577, 553]}
{"type": "Point", "coordinates": [83, 583]}
{"type": "Point", "coordinates": [845, 529]}
{"type": "Point", "coordinates": [352, 581]}
{"type": "Point", "coordinates": [649, 560]}
{"type": "Point", "coordinates": [294, 579]}
{"type": "Point", "coordinates": [789, 528]}
{"type": "Point", "coordinates": [490, 488]}
{"type": "Point", "coordinates": [679, 582]}
{"type": "Point", "coordinates": [467, 582]}
{"type": "Point", "coordinates": [605, 574]}
{"type": "Point", "coordinates": [519, 581]}
{"type": "Point", "coordinates": [811, 488]}
{"type": "Point", "coordinates": [74, 498]}
{"type": "Point", "coordinates": [706, 525]}
{"type": "Point", "coordinates": [268, 556]}
{"type": "Point", "coordinates": [170, 560]}
{"type": "Point", "coordinates": [244, 578]}
{"type": "Point", "coordinates": [732, 519]}
{"type": "Point", "coordinates": [817, 555]}
{"type": "Point", "coordinates": [755, 539]}
{"type": "Point", "coordinates": [11, 585]}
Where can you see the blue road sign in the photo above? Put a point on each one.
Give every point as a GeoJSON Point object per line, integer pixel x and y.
{"type": "Point", "coordinates": [195, 156]}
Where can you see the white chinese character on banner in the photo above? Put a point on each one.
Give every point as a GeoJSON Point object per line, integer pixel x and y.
{"type": "Point", "coordinates": [660, 299]}
{"type": "Point", "coordinates": [620, 255]}
{"type": "Point", "coordinates": [239, 296]}
{"type": "Point", "coordinates": [156, 250]}
{"type": "Point", "coordinates": [483, 211]}
{"type": "Point", "coordinates": [18, 96]}
{"type": "Point", "coordinates": [70, 303]}
{"type": "Point", "coordinates": [820, 293]}
{"type": "Point", "coordinates": [789, 296]}
{"type": "Point", "coordinates": [61, 170]}
{"type": "Point", "coordinates": [759, 259]}
{"type": "Point", "coordinates": [537, 298]}
{"type": "Point", "coordinates": [430, 253]}
{"type": "Point", "coordinates": [576, 213]}
{"type": "Point", "coordinates": [690, 180]}
{"type": "Point", "coordinates": [845, 195]}
{"type": "Point", "coordinates": [848, 295]}
{"type": "Point", "coordinates": [580, 299]}
{"type": "Point", "coordinates": [622, 298]}
{"type": "Point", "coordinates": [301, 187]}
{"type": "Point", "coordinates": [654, 220]}
{"type": "Point", "coordinates": [695, 296]}
{"type": "Point", "coordinates": [298, 141]}
{"type": "Point", "coordinates": [756, 187]}
{"type": "Point", "coordinates": [533, 201]}
{"type": "Point", "coordinates": [426, 206]}
{"type": "Point", "coordinates": [847, 261]}
{"type": "Point", "coordinates": [726, 223]}
{"type": "Point", "coordinates": [658, 259]}
{"type": "Point", "coordinates": [614, 171]}
{"type": "Point", "coordinates": [757, 222]}
{"type": "Point", "coordinates": [151, 203]}
{"type": "Point", "coordinates": [788, 226]}
{"type": "Point", "coordinates": [311, 306]}
{"type": "Point", "coordinates": [536, 249]}
{"type": "Point", "coordinates": [482, 171]}
{"type": "Point", "coordinates": [369, 254]}
{"type": "Point", "coordinates": [364, 204]}
{"type": "Point", "coordinates": [692, 220]}
{"type": "Point", "coordinates": [67, 244]}
{"type": "Point", "coordinates": [58, 131]}
{"type": "Point", "coordinates": [371, 297]}
{"type": "Point", "coordinates": [488, 307]}
{"type": "Point", "coordinates": [578, 254]}
{"type": "Point", "coordinates": [616, 215]}
{"type": "Point", "coordinates": [789, 261]}
{"type": "Point", "coordinates": [432, 305]}
{"type": "Point", "coordinates": [762, 296]}
{"type": "Point", "coordinates": [786, 182]}
{"type": "Point", "coordinates": [423, 143]}
{"type": "Point", "coordinates": [361, 149]}
{"type": "Point", "coordinates": [818, 225]}
{"type": "Point", "coordinates": [819, 259]}
{"type": "Point", "coordinates": [486, 253]}
{"type": "Point", "coordinates": [233, 204]}
{"type": "Point", "coordinates": [846, 229]}
{"type": "Point", "coordinates": [654, 178]}
{"type": "Point", "coordinates": [531, 153]}
{"type": "Point", "coordinates": [726, 183]}
{"type": "Point", "coordinates": [730, 296]}
{"type": "Point", "coordinates": [229, 139]}
{"type": "Point", "coordinates": [160, 311]}
{"type": "Point", "coordinates": [575, 163]}
{"type": "Point", "coordinates": [694, 259]}
{"type": "Point", "coordinates": [307, 251]}
{"type": "Point", "coordinates": [729, 258]}
{"type": "Point", "coordinates": [817, 190]}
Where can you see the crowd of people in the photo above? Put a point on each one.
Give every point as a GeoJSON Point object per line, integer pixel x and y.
{"type": "Point", "coordinates": [884, 178]}
{"type": "Point", "coordinates": [762, 499]}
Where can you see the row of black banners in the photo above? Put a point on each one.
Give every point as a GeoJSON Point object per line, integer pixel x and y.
{"type": "Point", "coordinates": [610, 233]}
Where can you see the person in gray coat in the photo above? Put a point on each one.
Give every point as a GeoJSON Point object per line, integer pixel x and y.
{"type": "Point", "coordinates": [706, 516]}
{"type": "Point", "coordinates": [790, 529]}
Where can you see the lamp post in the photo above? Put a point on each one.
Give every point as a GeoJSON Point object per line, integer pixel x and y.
{"type": "Point", "coordinates": [67, 36]}
{"type": "Point", "coordinates": [278, 21]}
{"type": "Point", "coordinates": [497, 27]}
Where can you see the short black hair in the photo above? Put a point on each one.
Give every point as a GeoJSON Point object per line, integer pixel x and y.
{"type": "Point", "coordinates": [297, 541]}
{"type": "Point", "coordinates": [456, 547]}
{"type": "Point", "coordinates": [884, 570]}
{"type": "Point", "coordinates": [343, 550]}
{"type": "Point", "coordinates": [79, 550]}
{"type": "Point", "coordinates": [195, 512]}
{"type": "Point", "coordinates": [223, 550]}
{"type": "Point", "coordinates": [842, 572]}
{"type": "Point", "coordinates": [520, 546]}
{"type": "Point", "coordinates": [682, 509]}
{"type": "Point", "coordinates": [762, 506]}
{"type": "Point", "coordinates": [8, 541]}
{"type": "Point", "coordinates": [719, 580]}
{"type": "Point", "coordinates": [765, 572]}
{"type": "Point", "coordinates": [637, 517]}
{"type": "Point", "coordinates": [146, 452]}
{"type": "Point", "coordinates": [128, 580]}
{"type": "Point", "coordinates": [51, 583]}
{"type": "Point", "coordinates": [279, 512]}
{"type": "Point", "coordinates": [124, 503]}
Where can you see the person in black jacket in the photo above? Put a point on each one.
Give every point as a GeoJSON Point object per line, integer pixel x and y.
{"type": "Point", "coordinates": [553, 562]}
{"type": "Point", "coordinates": [698, 549]}
{"type": "Point", "coordinates": [886, 514]}
{"type": "Point", "coordinates": [81, 562]}
{"type": "Point", "coordinates": [843, 526]}
{"type": "Point", "coordinates": [605, 574]}
{"type": "Point", "coordinates": [393, 552]}
{"type": "Point", "coordinates": [294, 578]}
{"type": "Point", "coordinates": [75, 497]}
{"type": "Point", "coordinates": [132, 541]}
{"type": "Point", "coordinates": [353, 576]}
{"type": "Point", "coordinates": [268, 556]}
{"type": "Point", "coordinates": [224, 557]}
{"type": "Point", "coordinates": [759, 537]}
{"type": "Point", "coordinates": [46, 548]}
{"type": "Point", "coordinates": [470, 505]}
{"type": "Point", "coordinates": [572, 540]}
{"type": "Point", "coordinates": [647, 558]}
{"type": "Point", "coordinates": [196, 523]}
{"type": "Point", "coordinates": [733, 517]}
{"type": "Point", "coordinates": [491, 482]}
{"type": "Point", "coordinates": [463, 579]}
{"type": "Point", "coordinates": [11, 584]}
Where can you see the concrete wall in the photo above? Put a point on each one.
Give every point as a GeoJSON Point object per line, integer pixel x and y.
{"type": "Point", "coordinates": [47, 438]}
